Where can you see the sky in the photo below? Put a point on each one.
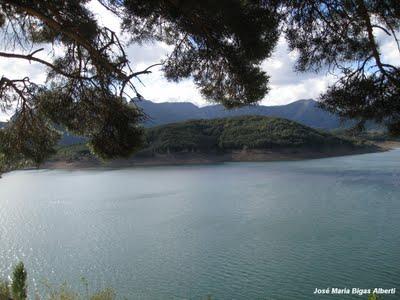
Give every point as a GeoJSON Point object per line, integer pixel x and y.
{"type": "Point", "coordinates": [286, 85]}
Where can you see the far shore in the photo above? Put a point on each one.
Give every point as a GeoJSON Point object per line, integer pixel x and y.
{"type": "Point", "coordinates": [190, 158]}
{"type": "Point", "coordinates": [388, 145]}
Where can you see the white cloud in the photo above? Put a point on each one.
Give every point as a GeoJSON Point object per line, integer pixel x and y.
{"type": "Point", "coordinates": [286, 84]}
{"type": "Point", "coordinates": [390, 52]}
{"type": "Point", "coordinates": [158, 89]}
{"type": "Point", "coordinates": [309, 88]}
{"type": "Point", "coordinates": [388, 47]}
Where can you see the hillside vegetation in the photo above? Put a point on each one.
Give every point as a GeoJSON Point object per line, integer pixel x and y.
{"type": "Point", "coordinates": [246, 132]}
{"type": "Point", "coordinates": [219, 137]}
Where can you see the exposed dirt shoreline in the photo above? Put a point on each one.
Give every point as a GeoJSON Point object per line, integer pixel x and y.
{"type": "Point", "coordinates": [388, 145]}
{"type": "Point", "coordinates": [188, 158]}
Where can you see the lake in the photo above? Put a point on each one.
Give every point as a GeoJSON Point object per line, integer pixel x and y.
{"type": "Point", "coordinates": [273, 230]}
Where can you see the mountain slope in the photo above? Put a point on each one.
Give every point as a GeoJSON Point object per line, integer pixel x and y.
{"type": "Point", "coordinates": [237, 133]}
{"type": "Point", "coordinates": [306, 112]}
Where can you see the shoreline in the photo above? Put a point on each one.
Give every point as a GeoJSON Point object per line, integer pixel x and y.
{"type": "Point", "coordinates": [198, 158]}
{"type": "Point", "coordinates": [388, 145]}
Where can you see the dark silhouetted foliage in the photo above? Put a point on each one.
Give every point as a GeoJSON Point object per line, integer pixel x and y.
{"type": "Point", "coordinates": [343, 36]}
{"type": "Point", "coordinates": [219, 43]}
{"type": "Point", "coordinates": [18, 286]}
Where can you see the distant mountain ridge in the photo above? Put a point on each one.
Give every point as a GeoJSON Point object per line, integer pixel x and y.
{"type": "Point", "coordinates": [304, 111]}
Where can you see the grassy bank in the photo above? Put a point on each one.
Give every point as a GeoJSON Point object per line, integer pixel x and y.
{"type": "Point", "coordinates": [17, 289]}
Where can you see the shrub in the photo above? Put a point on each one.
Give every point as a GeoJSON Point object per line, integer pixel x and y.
{"type": "Point", "coordinates": [18, 286]}
{"type": "Point", "coordinates": [4, 290]}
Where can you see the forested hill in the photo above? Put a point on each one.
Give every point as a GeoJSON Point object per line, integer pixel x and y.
{"type": "Point", "coordinates": [244, 138]}
{"type": "Point", "coordinates": [244, 132]}
{"type": "Point", "coordinates": [305, 112]}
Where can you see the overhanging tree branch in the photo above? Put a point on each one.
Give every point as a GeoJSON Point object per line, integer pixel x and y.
{"type": "Point", "coordinates": [31, 57]}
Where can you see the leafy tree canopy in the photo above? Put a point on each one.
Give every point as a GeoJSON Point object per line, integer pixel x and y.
{"type": "Point", "coordinates": [343, 36]}
{"type": "Point", "coordinates": [219, 44]}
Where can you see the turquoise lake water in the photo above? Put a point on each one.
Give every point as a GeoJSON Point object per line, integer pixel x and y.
{"type": "Point", "coordinates": [273, 230]}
